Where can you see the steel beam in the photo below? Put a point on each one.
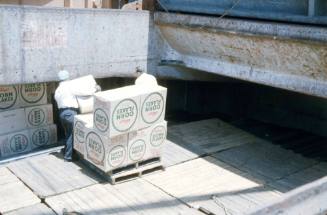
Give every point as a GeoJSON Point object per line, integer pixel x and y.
{"type": "Point", "coordinates": [291, 57]}
{"type": "Point", "coordinates": [308, 199]}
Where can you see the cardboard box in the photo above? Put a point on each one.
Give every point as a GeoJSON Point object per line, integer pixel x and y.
{"type": "Point", "coordinates": [146, 143]}
{"type": "Point", "coordinates": [137, 145]}
{"type": "Point", "coordinates": [44, 3]}
{"type": "Point", "coordinates": [76, 3]}
{"type": "Point", "coordinates": [157, 138]}
{"type": "Point", "coordinates": [116, 111]}
{"type": "Point", "coordinates": [14, 143]}
{"type": "Point", "coordinates": [12, 120]}
{"type": "Point", "coordinates": [85, 104]}
{"type": "Point", "coordinates": [105, 153]}
{"type": "Point", "coordinates": [9, 1]}
{"type": "Point", "coordinates": [152, 106]}
{"type": "Point", "coordinates": [37, 116]}
{"type": "Point", "coordinates": [32, 95]}
{"type": "Point", "coordinates": [81, 122]}
{"type": "Point", "coordinates": [9, 97]}
{"type": "Point", "coordinates": [40, 137]}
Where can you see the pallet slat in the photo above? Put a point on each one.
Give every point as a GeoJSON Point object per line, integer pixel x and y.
{"type": "Point", "coordinates": [128, 172]}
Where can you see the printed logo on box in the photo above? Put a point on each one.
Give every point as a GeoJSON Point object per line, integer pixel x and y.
{"type": "Point", "coordinates": [158, 136]}
{"type": "Point", "coordinates": [95, 148]}
{"type": "Point", "coordinates": [32, 93]}
{"type": "Point", "coordinates": [152, 108]}
{"type": "Point", "coordinates": [124, 115]}
{"type": "Point", "coordinates": [8, 97]}
{"type": "Point", "coordinates": [101, 121]}
{"type": "Point", "coordinates": [137, 150]}
{"type": "Point", "coordinates": [36, 117]}
{"type": "Point", "coordinates": [79, 132]}
{"type": "Point", "coordinates": [116, 156]}
{"type": "Point", "coordinates": [18, 143]}
{"type": "Point", "coordinates": [40, 137]}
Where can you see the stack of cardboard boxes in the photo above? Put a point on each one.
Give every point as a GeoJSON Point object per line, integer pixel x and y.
{"type": "Point", "coordinates": [65, 3]}
{"type": "Point", "coordinates": [127, 126]}
{"type": "Point", "coordinates": [26, 120]}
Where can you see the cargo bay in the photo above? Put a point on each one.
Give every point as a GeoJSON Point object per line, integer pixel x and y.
{"type": "Point", "coordinates": [246, 104]}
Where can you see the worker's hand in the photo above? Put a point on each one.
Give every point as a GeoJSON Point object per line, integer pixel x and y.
{"type": "Point", "coordinates": [97, 88]}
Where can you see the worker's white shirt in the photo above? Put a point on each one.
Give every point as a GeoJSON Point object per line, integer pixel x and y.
{"type": "Point", "coordinates": [67, 92]}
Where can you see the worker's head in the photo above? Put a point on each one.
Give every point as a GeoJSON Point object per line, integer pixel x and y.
{"type": "Point", "coordinates": [63, 75]}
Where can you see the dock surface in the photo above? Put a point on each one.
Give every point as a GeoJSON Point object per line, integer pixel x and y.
{"type": "Point", "coordinates": [210, 165]}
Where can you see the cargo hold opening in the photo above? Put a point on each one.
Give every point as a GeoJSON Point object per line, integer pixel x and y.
{"type": "Point", "coordinates": [265, 111]}
{"type": "Point", "coordinates": [286, 146]}
{"type": "Point", "coordinates": [291, 120]}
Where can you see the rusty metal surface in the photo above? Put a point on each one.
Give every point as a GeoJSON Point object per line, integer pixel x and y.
{"type": "Point", "coordinates": [35, 42]}
{"type": "Point", "coordinates": [286, 56]}
{"type": "Point", "coordinates": [305, 11]}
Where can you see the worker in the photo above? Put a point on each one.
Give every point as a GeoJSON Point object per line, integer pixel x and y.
{"type": "Point", "coordinates": [66, 97]}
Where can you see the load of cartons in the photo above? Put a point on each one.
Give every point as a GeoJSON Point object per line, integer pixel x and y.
{"type": "Point", "coordinates": [26, 120]}
{"type": "Point", "coordinates": [126, 127]}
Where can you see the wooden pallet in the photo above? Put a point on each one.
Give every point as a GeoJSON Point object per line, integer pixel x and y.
{"type": "Point", "coordinates": [129, 172]}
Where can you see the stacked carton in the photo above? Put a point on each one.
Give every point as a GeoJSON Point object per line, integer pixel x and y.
{"type": "Point", "coordinates": [26, 120]}
{"type": "Point", "coordinates": [126, 126]}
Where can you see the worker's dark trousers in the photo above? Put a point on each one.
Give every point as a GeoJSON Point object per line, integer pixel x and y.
{"type": "Point", "coordinates": [67, 120]}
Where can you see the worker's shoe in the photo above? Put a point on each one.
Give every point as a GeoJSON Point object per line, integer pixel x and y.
{"type": "Point", "coordinates": [68, 160]}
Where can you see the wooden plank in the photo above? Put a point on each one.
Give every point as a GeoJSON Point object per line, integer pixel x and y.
{"type": "Point", "coordinates": [49, 175]}
{"type": "Point", "coordinates": [210, 136]}
{"type": "Point", "coordinates": [38, 209]}
{"type": "Point", "coordinates": [95, 199]}
{"type": "Point", "coordinates": [173, 153]}
{"type": "Point", "coordinates": [266, 159]}
{"type": "Point", "coordinates": [300, 178]}
{"type": "Point", "coordinates": [199, 182]}
{"type": "Point", "coordinates": [145, 198]}
{"type": "Point", "coordinates": [13, 193]}
{"type": "Point", "coordinates": [7, 177]}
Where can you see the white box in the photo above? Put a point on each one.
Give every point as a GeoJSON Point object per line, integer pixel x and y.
{"type": "Point", "coordinates": [9, 98]}
{"type": "Point", "coordinates": [43, 136]}
{"type": "Point", "coordinates": [14, 143]}
{"type": "Point", "coordinates": [80, 123]}
{"type": "Point", "coordinates": [116, 111]}
{"type": "Point", "coordinates": [37, 116]}
{"type": "Point", "coordinates": [43, 3]}
{"type": "Point", "coordinates": [157, 138]}
{"type": "Point", "coordinates": [12, 120]}
{"type": "Point", "coordinates": [152, 106]}
{"type": "Point", "coordinates": [32, 94]}
{"type": "Point", "coordinates": [137, 143]}
{"type": "Point", "coordinates": [76, 3]}
{"type": "Point", "coordinates": [146, 143]}
{"type": "Point", "coordinates": [105, 153]}
{"type": "Point", "coordinates": [85, 104]}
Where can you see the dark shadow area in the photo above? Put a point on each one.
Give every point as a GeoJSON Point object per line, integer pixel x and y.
{"type": "Point", "coordinates": [294, 121]}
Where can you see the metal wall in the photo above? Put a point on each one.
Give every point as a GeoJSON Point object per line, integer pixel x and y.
{"type": "Point", "coordinates": [286, 56]}
{"type": "Point", "coordinates": [305, 11]}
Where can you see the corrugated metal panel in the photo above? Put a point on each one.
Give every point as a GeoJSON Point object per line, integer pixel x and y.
{"type": "Point", "coordinates": [306, 11]}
